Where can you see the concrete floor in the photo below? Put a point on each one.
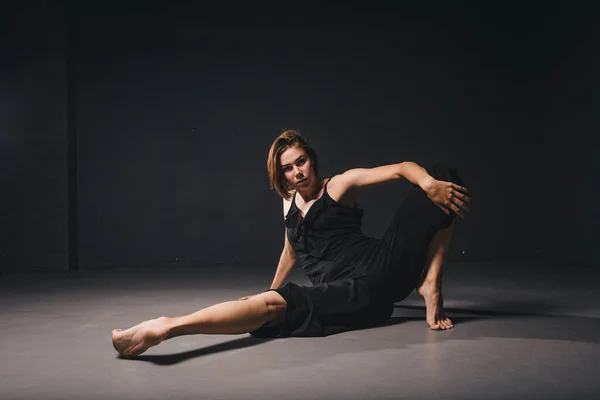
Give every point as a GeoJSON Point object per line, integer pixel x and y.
{"type": "Point", "coordinates": [525, 330]}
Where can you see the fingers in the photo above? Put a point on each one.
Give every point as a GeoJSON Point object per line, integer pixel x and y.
{"type": "Point", "coordinates": [459, 188]}
{"type": "Point", "coordinates": [458, 201]}
{"type": "Point", "coordinates": [460, 192]}
{"type": "Point", "coordinates": [462, 196]}
{"type": "Point", "coordinates": [462, 205]}
{"type": "Point", "coordinates": [458, 206]}
{"type": "Point", "coordinates": [444, 209]}
{"type": "Point", "coordinates": [456, 209]}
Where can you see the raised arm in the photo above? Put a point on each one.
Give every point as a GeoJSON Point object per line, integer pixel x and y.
{"type": "Point", "coordinates": [360, 178]}
{"type": "Point", "coordinates": [446, 195]}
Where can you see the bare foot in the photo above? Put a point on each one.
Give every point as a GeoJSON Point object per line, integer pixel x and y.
{"type": "Point", "coordinates": [136, 340]}
{"type": "Point", "coordinates": [434, 304]}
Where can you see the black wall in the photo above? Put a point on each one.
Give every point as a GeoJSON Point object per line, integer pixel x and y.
{"type": "Point", "coordinates": [178, 105]}
{"type": "Point", "coordinates": [569, 198]}
{"type": "Point", "coordinates": [33, 137]}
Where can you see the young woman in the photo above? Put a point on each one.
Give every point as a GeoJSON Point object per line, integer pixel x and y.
{"type": "Point", "coordinates": [356, 279]}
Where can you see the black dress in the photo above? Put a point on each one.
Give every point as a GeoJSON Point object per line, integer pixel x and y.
{"type": "Point", "coordinates": [355, 278]}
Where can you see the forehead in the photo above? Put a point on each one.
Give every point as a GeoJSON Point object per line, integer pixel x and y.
{"type": "Point", "coordinates": [291, 154]}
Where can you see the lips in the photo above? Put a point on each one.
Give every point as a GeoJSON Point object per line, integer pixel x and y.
{"type": "Point", "coordinates": [301, 180]}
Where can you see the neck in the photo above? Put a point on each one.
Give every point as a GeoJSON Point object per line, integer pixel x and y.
{"type": "Point", "coordinates": [312, 192]}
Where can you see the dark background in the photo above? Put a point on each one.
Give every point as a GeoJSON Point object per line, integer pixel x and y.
{"type": "Point", "coordinates": [172, 108]}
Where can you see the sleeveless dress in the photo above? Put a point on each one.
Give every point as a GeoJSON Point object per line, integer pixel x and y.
{"type": "Point", "coordinates": [356, 279]}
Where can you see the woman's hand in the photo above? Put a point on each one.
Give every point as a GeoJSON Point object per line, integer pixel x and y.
{"type": "Point", "coordinates": [448, 196]}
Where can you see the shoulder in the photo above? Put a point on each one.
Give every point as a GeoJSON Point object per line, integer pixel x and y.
{"type": "Point", "coordinates": [344, 180]}
{"type": "Point", "coordinates": [340, 188]}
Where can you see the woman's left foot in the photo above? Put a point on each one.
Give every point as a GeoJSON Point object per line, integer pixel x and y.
{"type": "Point", "coordinates": [434, 305]}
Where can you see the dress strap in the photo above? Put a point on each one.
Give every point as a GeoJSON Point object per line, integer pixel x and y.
{"type": "Point", "coordinates": [328, 182]}
{"type": "Point", "coordinates": [295, 192]}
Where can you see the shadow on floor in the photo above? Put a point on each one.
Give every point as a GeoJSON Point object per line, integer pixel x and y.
{"type": "Point", "coordinates": [500, 308]}
{"type": "Point", "coordinates": [534, 320]}
{"type": "Point", "coordinates": [170, 359]}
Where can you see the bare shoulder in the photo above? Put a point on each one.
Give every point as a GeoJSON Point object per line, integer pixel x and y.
{"type": "Point", "coordinates": [341, 190]}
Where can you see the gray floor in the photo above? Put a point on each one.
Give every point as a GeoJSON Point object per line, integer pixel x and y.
{"type": "Point", "coordinates": [524, 330]}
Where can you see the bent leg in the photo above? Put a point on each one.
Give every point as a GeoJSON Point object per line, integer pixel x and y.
{"type": "Point", "coordinates": [430, 284]}
{"type": "Point", "coordinates": [231, 317]}
{"type": "Point", "coordinates": [411, 234]}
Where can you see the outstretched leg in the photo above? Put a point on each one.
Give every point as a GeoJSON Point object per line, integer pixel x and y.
{"type": "Point", "coordinates": [430, 284]}
{"type": "Point", "coordinates": [231, 317]}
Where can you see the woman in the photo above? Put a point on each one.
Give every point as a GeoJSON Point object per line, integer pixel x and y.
{"type": "Point", "coordinates": [355, 278]}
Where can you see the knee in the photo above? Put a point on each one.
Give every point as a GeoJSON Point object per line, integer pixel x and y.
{"type": "Point", "coordinates": [273, 305]}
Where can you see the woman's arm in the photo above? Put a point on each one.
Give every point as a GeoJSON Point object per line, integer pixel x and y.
{"type": "Point", "coordinates": [286, 263]}
{"type": "Point", "coordinates": [360, 178]}
{"type": "Point", "coordinates": [287, 260]}
{"type": "Point", "coordinates": [446, 195]}
{"type": "Point", "coordinates": [414, 173]}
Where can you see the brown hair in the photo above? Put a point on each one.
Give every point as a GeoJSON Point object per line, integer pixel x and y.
{"type": "Point", "coordinates": [289, 138]}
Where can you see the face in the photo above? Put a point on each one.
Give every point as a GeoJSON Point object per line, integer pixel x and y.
{"type": "Point", "coordinates": [297, 168]}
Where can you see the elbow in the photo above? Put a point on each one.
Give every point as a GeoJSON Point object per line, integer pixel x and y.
{"type": "Point", "coordinates": [289, 254]}
{"type": "Point", "coordinates": [292, 255]}
{"type": "Point", "coordinates": [399, 170]}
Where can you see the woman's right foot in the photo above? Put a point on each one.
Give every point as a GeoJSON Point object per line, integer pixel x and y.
{"type": "Point", "coordinates": [136, 340]}
{"type": "Point", "coordinates": [434, 305]}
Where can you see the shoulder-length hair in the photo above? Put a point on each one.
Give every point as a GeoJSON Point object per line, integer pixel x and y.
{"type": "Point", "coordinates": [289, 138]}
